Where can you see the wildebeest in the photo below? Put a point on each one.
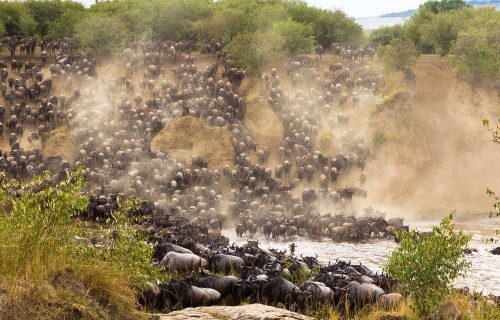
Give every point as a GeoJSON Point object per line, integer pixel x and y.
{"type": "Point", "coordinates": [279, 290]}
{"type": "Point", "coordinates": [183, 262]}
{"type": "Point", "coordinates": [226, 263]}
{"type": "Point", "coordinates": [180, 294]}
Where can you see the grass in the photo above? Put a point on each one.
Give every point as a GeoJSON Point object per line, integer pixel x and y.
{"type": "Point", "coordinates": [469, 306]}
{"type": "Point", "coordinates": [46, 274]}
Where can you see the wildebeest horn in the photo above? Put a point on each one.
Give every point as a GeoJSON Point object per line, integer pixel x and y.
{"type": "Point", "coordinates": [301, 255]}
{"type": "Point", "coordinates": [316, 255]}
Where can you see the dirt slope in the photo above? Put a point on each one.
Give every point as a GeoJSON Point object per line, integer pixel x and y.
{"type": "Point", "coordinates": [442, 157]}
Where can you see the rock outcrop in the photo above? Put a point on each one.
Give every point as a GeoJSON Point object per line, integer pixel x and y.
{"type": "Point", "coordinates": [246, 312]}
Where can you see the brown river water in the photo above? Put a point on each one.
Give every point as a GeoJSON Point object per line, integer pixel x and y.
{"type": "Point", "coordinates": [483, 276]}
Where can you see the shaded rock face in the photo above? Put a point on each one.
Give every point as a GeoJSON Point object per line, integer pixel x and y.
{"type": "Point", "coordinates": [246, 312]}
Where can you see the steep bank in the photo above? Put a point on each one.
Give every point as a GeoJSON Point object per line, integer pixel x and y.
{"type": "Point", "coordinates": [437, 156]}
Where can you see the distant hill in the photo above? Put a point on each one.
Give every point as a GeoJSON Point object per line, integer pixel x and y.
{"type": "Point", "coordinates": [474, 3]}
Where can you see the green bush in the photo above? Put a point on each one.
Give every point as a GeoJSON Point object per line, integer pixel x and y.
{"type": "Point", "coordinates": [65, 26]}
{"type": "Point", "coordinates": [297, 37]}
{"type": "Point", "coordinates": [255, 49]}
{"type": "Point", "coordinates": [385, 35]}
{"type": "Point", "coordinates": [100, 34]}
{"type": "Point", "coordinates": [444, 5]}
{"type": "Point", "coordinates": [48, 11]}
{"type": "Point", "coordinates": [399, 55]}
{"type": "Point", "coordinates": [427, 264]}
{"type": "Point", "coordinates": [442, 31]}
{"type": "Point", "coordinates": [476, 49]}
{"type": "Point", "coordinates": [38, 227]}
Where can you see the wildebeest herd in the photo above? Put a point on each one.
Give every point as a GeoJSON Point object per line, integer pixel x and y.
{"type": "Point", "coordinates": [112, 122]}
{"type": "Point", "coordinates": [251, 273]}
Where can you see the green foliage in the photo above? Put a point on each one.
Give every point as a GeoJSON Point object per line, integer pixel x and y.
{"type": "Point", "coordinates": [35, 227]}
{"type": "Point", "coordinates": [442, 31]}
{"type": "Point", "coordinates": [444, 5]}
{"type": "Point", "coordinates": [468, 35]}
{"type": "Point", "coordinates": [2, 29]}
{"type": "Point", "coordinates": [47, 12]}
{"type": "Point", "coordinates": [38, 227]}
{"type": "Point", "coordinates": [16, 18]}
{"type": "Point", "coordinates": [128, 251]}
{"type": "Point", "coordinates": [100, 34]}
{"type": "Point", "coordinates": [385, 35]}
{"type": "Point", "coordinates": [65, 26]}
{"type": "Point", "coordinates": [254, 49]}
{"type": "Point", "coordinates": [336, 27]}
{"type": "Point", "coordinates": [399, 55]}
{"type": "Point", "coordinates": [292, 26]}
{"type": "Point", "coordinates": [477, 48]}
{"type": "Point", "coordinates": [297, 37]}
{"type": "Point", "coordinates": [427, 264]}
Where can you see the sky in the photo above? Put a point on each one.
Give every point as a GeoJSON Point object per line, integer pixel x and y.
{"type": "Point", "coordinates": [354, 8]}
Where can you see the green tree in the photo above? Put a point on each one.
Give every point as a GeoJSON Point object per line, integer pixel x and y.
{"type": "Point", "coordinates": [444, 5]}
{"type": "Point", "coordinates": [255, 49]}
{"type": "Point", "coordinates": [100, 34]}
{"type": "Point", "coordinates": [427, 264]}
{"type": "Point", "coordinates": [442, 31]}
{"type": "Point", "coordinates": [297, 37]}
{"type": "Point", "coordinates": [384, 35]}
{"type": "Point", "coordinates": [223, 24]}
{"type": "Point", "coordinates": [48, 11]}
{"type": "Point", "coordinates": [16, 19]}
{"type": "Point", "coordinates": [336, 27]}
{"type": "Point", "coordinates": [477, 48]}
{"type": "Point", "coordinates": [399, 55]}
{"type": "Point", "coordinates": [413, 30]}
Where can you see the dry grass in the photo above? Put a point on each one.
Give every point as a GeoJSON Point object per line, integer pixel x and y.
{"type": "Point", "coordinates": [468, 306]}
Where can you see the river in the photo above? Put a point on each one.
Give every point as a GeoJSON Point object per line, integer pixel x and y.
{"type": "Point", "coordinates": [371, 23]}
{"type": "Point", "coordinates": [483, 276]}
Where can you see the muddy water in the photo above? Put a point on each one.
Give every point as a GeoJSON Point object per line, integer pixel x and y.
{"type": "Point", "coordinates": [484, 274]}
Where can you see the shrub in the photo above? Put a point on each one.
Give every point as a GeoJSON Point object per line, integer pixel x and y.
{"type": "Point", "coordinates": [427, 264]}
{"type": "Point", "coordinates": [254, 49]}
{"type": "Point", "coordinates": [297, 37]}
{"type": "Point", "coordinates": [399, 55]}
{"type": "Point", "coordinates": [100, 34]}
{"type": "Point", "coordinates": [38, 226]}
{"type": "Point", "coordinates": [477, 48]}
{"type": "Point", "coordinates": [385, 35]}
{"type": "Point", "coordinates": [444, 5]}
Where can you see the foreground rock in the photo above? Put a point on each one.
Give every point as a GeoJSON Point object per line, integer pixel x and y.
{"type": "Point", "coordinates": [246, 312]}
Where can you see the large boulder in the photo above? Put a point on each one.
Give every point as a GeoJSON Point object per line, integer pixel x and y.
{"type": "Point", "coordinates": [59, 143]}
{"type": "Point", "coordinates": [246, 312]}
{"type": "Point", "coordinates": [184, 137]}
